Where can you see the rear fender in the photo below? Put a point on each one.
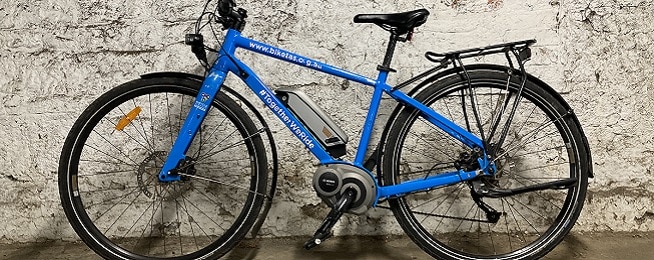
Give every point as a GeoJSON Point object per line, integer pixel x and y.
{"type": "Point", "coordinates": [456, 71]}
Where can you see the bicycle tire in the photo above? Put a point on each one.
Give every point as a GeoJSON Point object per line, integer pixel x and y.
{"type": "Point", "coordinates": [108, 177]}
{"type": "Point", "coordinates": [446, 222]}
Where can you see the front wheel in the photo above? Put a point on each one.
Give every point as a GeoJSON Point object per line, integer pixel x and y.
{"type": "Point", "coordinates": [108, 174]}
{"type": "Point", "coordinates": [543, 143]}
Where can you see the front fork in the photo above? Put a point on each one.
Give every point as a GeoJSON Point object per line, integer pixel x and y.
{"type": "Point", "coordinates": [196, 115]}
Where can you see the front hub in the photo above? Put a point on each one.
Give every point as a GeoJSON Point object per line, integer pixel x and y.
{"type": "Point", "coordinates": [184, 169]}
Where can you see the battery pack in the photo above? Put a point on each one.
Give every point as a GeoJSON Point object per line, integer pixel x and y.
{"type": "Point", "coordinates": [321, 126]}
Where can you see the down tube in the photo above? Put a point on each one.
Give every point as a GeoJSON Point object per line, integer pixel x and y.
{"type": "Point", "coordinates": [285, 115]}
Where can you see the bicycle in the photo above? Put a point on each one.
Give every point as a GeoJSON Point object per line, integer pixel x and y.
{"type": "Point", "coordinates": [174, 165]}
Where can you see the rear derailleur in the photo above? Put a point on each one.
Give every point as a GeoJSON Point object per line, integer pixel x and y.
{"type": "Point", "coordinates": [468, 161]}
{"type": "Point", "coordinates": [477, 189]}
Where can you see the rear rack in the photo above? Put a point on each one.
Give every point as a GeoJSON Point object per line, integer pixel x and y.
{"type": "Point", "coordinates": [515, 52]}
{"type": "Point", "coordinates": [522, 48]}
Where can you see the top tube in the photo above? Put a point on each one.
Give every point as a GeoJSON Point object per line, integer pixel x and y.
{"type": "Point", "coordinates": [235, 39]}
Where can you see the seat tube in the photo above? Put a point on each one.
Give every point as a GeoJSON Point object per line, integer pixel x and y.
{"type": "Point", "coordinates": [380, 86]}
{"type": "Point", "coordinates": [369, 124]}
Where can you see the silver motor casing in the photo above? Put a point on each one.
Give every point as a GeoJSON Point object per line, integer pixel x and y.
{"type": "Point", "coordinates": [331, 180]}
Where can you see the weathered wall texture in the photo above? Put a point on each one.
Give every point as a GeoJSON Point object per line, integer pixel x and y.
{"type": "Point", "coordinates": [56, 56]}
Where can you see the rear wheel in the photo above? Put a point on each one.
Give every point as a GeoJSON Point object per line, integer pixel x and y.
{"type": "Point", "coordinates": [543, 143]}
{"type": "Point", "coordinates": [108, 174]}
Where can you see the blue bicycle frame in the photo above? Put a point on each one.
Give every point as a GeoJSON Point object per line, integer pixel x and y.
{"type": "Point", "coordinates": [227, 62]}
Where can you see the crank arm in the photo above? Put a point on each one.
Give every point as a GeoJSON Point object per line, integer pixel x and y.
{"type": "Point", "coordinates": [325, 229]}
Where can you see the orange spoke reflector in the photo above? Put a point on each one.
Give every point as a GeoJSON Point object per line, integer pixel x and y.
{"type": "Point", "coordinates": [127, 119]}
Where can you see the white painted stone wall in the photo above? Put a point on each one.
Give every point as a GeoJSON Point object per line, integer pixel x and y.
{"type": "Point", "coordinates": [56, 56]}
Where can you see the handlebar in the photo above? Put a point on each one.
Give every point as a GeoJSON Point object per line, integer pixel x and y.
{"type": "Point", "coordinates": [228, 16]}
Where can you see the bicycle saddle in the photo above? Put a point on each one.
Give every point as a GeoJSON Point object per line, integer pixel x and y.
{"type": "Point", "coordinates": [399, 23]}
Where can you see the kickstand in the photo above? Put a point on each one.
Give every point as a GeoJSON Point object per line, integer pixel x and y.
{"type": "Point", "coordinates": [334, 215]}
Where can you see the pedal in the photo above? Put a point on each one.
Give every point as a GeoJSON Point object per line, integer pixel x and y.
{"type": "Point", "coordinates": [317, 240]}
{"type": "Point", "coordinates": [325, 230]}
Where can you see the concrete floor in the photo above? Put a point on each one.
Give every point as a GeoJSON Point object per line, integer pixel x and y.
{"type": "Point", "coordinates": [624, 246]}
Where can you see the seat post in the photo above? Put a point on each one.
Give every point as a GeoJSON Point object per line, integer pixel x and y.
{"type": "Point", "coordinates": [386, 66]}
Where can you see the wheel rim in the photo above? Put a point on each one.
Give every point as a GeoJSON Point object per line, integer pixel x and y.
{"type": "Point", "coordinates": [135, 216]}
{"type": "Point", "coordinates": [529, 221]}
